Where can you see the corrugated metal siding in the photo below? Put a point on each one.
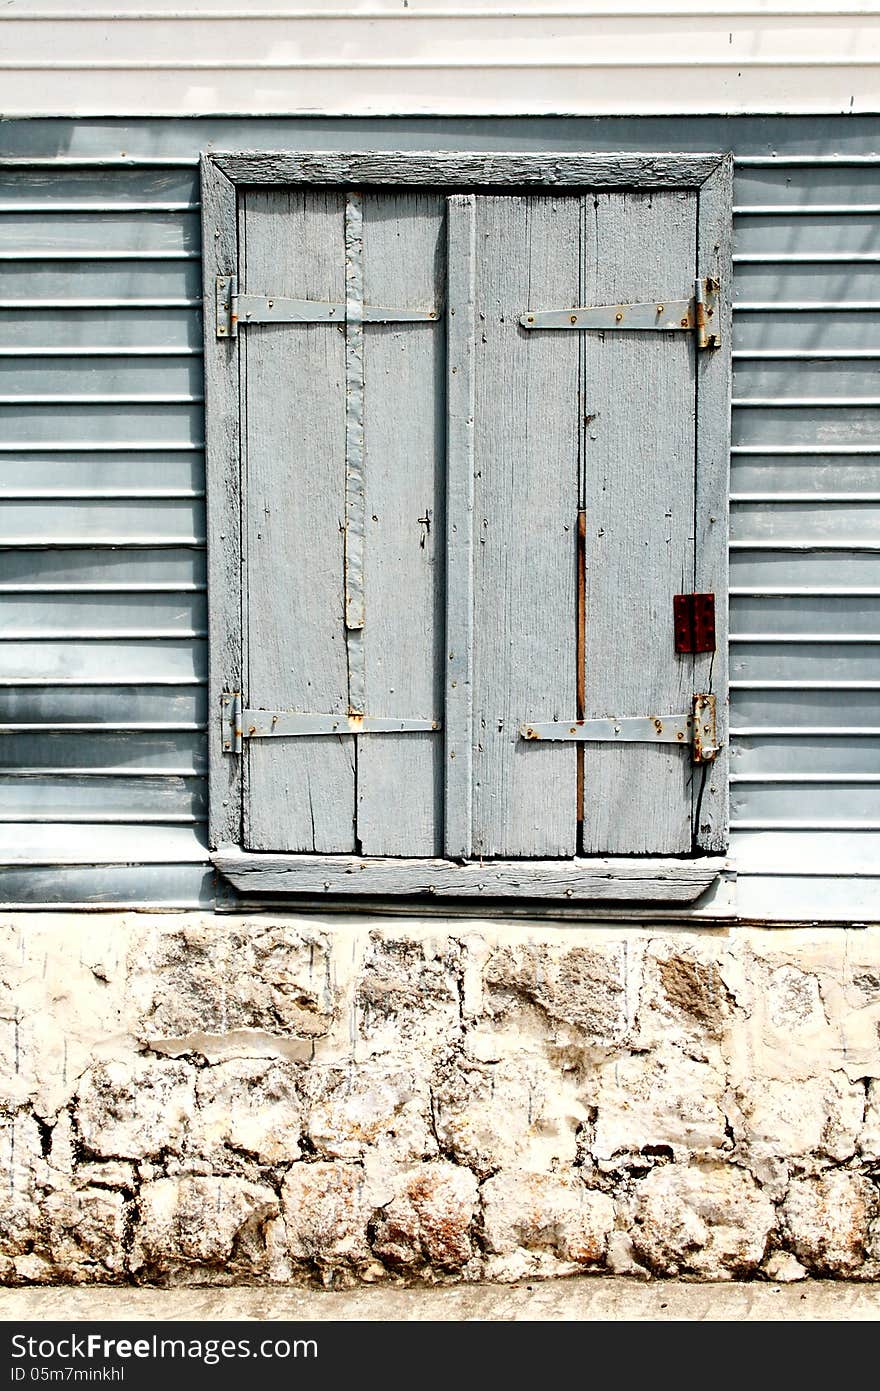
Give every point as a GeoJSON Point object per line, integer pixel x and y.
{"type": "Point", "coordinates": [102, 695]}
{"type": "Point", "coordinates": [477, 56]}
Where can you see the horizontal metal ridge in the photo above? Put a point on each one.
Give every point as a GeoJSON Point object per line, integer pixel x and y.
{"type": "Point", "coordinates": [813, 544]}
{"type": "Point", "coordinates": [47, 206]}
{"type": "Point", "coordinates": [820, 778]}
{"type": "Point", "coordinates": [93, 494]}
{"type": "Point", "coordinates": [806, 306]}
{"type": "Point", "coordinates": [805, 685]}
{"type": "Point", "coordinates": [105, 447]}
{"type": "Point", "coordinates": [850, 639]}
{"type": "Point", "coordinates": [91, 255]}
{"type": "Point", "coordinates": [111, 587]}
{"type": "Point", "coordinates": [803, 591]}
{"type": "Point", "coordinates": [50, 634]}
{"type": "Point", "coordinates": [65, 772]}
{"type": "Point", "coordinates": [109, 350]}
{"type": "Point", "coordinates": [147, 398]}
{"type": "Point", "coordinates": [804, 731]}
{"type": "Point", "coordinates": [799, 402]}
{"type": "Point", "coordinates": [805, 209]}
{"type": "Point", "coordinates": [55, 543]}
{"type": "Point", "coordinates": [785, 825]}
{"type": "Point", "coordinates": [116, 679]}
{"type": "Point", "coordinates": [122, 727]}
{"type": "Point", "coordinates": [807, 450]}
{"type": "Point", "coordinates": [99, 818]}
{"type": "Point", "coordinates": [152, 302]}
{"type": "Point", "coordinates": [805, 161]}
{"type": "Point", "coordinates": [805, 354]}
{"type": "Point", "coordinates": [805, 258]}
{"type": "Point", "coordinates": [803, 497]}
{"type": "Point", "coordinates": [23, 162]}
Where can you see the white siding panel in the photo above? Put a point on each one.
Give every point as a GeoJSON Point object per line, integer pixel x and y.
{"type": "Point", "coordinates": [471, 58]}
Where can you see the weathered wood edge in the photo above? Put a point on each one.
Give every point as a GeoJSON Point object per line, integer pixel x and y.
{"type": "Point", "coordinates": [591, 170]}
{"type": "Point", "coordinates": [711, 798]}
{"type": "Point", "coordinates": [621, 879]}
{"type": "Point", "coordinates": [222, 448]}
{"type": "Point", "coordinates": [458, 704]}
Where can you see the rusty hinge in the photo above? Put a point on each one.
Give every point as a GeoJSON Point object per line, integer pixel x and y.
{"type": "Point", "coordinates": [696, 729]}
{"type": "Point", "coordinates": [238, 724]}
{"type": "Point", "coordinates": [698, 315]}
{"type": "Point", "coordinates": [694, 622]}
{"type": "Point", "coordinates": [234, 311]}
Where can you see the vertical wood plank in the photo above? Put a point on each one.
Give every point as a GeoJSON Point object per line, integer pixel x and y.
{"type": "Point", "coordinates": [526, 500]}
{"type": "Point", "coordinates": [711, 809]}
{"type": "Point", "coordinates": [638, 403]}
{"type": "Point", "coordinates": [220, 257]}
{"type": "Point", "coordinates": [460, 345]}
{"type": "Point", "coordinates": [300, 792]}
{"type": "Point", "coordinates": [399, 776]}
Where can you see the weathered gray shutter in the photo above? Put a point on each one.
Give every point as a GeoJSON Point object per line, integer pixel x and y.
{"type": "Point", "coordinates": [465, 516]}
{"type": "Point", "coordinates": [343, 427]}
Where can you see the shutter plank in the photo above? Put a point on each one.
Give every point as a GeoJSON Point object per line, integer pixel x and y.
{"type": "Point", "coordinates": [399, 776]}
{"type": "Point", "coordinates": [458, 663]}
{"type": "Point", "coordinates": [639, 497]}
{"type": "Point", "coordinates": [299, 792]}
{"type": "Point", "coordinates": [526, 467]}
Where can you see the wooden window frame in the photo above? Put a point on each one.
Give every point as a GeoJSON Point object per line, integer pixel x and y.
{"type": "Point", "coordinates": [668, 880]}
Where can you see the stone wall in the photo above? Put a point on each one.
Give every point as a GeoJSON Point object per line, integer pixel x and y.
{"type": "Point", "coordinates": [197, 1099]}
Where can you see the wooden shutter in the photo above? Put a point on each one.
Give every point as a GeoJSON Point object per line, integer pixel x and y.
{"type": "Point", "coordinates": [462, 521]}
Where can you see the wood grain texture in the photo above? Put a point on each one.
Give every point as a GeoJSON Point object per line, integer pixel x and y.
{"type": "Point", "coordinates": [669, 880]}
{"type": "Point", "coordinates": [526, 502]}
{"type": "Point", "coordinates": [711, 800]}
{"type": "Point", "coordinates": [222, 437]}
{"type": "Point", "coordinates": [638, 450]}
{"type": "Point", "coordinates": [399, 776]}
{"type": "Point", "coordinates": [458, 663]}
{"type": "Point", "coordinates": [300, 792]}
{"type": "Point", "coordinates": [605, 170]}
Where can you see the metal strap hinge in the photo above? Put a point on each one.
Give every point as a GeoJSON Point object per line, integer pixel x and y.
{"type": "Point", "coordinates": [239, 724]}
{"type": "Point", "coordinates": [696, 729]}
{"type": "Point", "coordinates": [234, 311]}
{"type": "Point", "coordinates": [698, 315]}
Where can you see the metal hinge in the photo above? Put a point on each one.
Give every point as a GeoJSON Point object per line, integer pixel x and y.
{"type": "Point", "coordinates": [234, 311]}
{"type": "Point", "coordinates": [696, 729]}
{"type": "Point", "coordinates": [698, 315]}
{"type": "Point", "coordinates": [239, 724]}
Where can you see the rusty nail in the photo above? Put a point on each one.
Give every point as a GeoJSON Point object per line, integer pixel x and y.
{"type": "Point", "coordinates": [253, 729]}
{"type": "Point", "coordinates": [685, 324]}
{"type": "Point", "coordinates": [618, 316]}
{"type": "Point", "coordinates": [660, 308]}
{"type": "Point", "coordinates": [531, 318]}
{"type": "Point", "coordinates": [574, 318]}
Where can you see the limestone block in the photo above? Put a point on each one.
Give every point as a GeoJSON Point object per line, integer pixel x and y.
{"type": "Point", "coordinates": [326, 1209]}
{"type": "Point", "coordinates": [210, 978]}
{"type": "Point", "coordinates": [83, 1234]}
{"type": "Point", "coordinates": [429, 1220]}
{"type": "Point", "coordinates": [662, 1100]}
{"type": "Point", "coordinates": [795, 1118]}
{"type": "Point", "coordinates": [869, 1139]}
{"type": "Point", "coordinates": [515, 1114]}
{"type": "Point", "coordinates": [708, 1221]}
{"type": "Point", "coordinates": [250, 1106]}
{"type": "Point", "coordinates": [407, 997]}
{"type": "Point", "coordinates": [353, 1109]}
{"type": "Point", "coordinates": [134, 1109]}
{"type": "Point", "coordinates": [784, 1268]}
{"type": "Point", "coordinates": [827, 1219]}
{"type": "Point", "coordinates": [577, 986]}
{"type": "Point", "coordinates": [214, 1228]}
{"type": "Point", "coordinates": [21, 1156]}
{"type": "Point", "coordinates": [543, 1224]}
{"type": "Point", "coordinates": [685, 993]}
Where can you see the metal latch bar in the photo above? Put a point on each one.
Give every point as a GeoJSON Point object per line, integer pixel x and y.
{"type": "Point", "coordinates": [240, 724]}
{"type": "Point", "coordinates": [697, 315]}
{"type": "Point", "coordinates": [235, 310]}
{"type": "Point", "coordinates": [696, 729]}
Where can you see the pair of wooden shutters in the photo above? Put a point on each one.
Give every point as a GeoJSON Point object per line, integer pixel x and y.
{"type": "Point", "coordinates": [452, 518]}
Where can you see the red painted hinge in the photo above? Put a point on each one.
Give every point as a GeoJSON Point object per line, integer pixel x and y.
{"type": "Point", "coordinates": [694, 616]}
